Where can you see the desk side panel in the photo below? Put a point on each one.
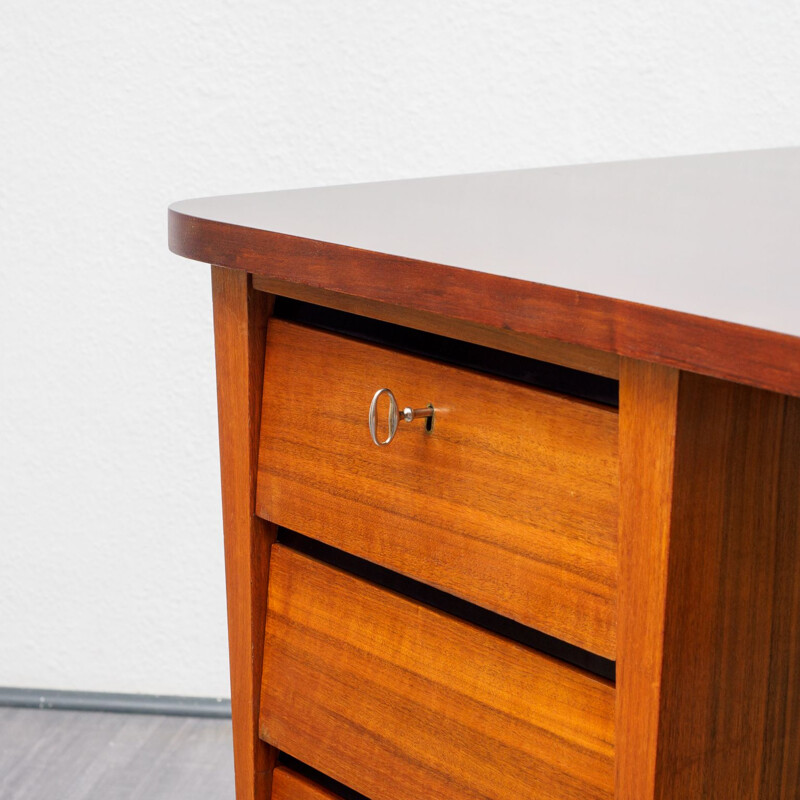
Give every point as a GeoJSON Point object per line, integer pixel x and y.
{"type": "Point", "coordinates": [708, 650]}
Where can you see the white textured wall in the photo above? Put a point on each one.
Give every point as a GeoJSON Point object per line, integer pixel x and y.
{"type": "Point", "coordinates": [111, 572]}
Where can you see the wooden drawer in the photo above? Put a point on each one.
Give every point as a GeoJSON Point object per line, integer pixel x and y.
{"type": "Point", "coordinates": [510, 502]}
{"type": "Point", "coordinates": [397, 700]}
{"type": "Point", "coordinates": [288, 785]}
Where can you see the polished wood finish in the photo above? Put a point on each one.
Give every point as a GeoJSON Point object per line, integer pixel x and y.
{"type": "Point", "coordinates": [288, 785]}
{"type": "Point", "coordinates": [240, 320]}
{"type": "Point", "coordinates": [397, 700]}
{"type": "Point", "coordinates": [713, 347]}
{"type": "Point", "coordinates": [648, 417]}
{"type": "Point", "coordinates": [708, 700]}
{"type": "Point", "coordinates": [678, 277]}
{"type": "Point", "coordinates": [510, 502]}
{"type": "Point", "coordinates": [597, 362]}
{"type": "Point", "coordinates": [689, 262]}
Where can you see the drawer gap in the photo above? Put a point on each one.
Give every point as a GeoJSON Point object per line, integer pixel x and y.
{"type": "Point", "coordinates": [542, 374]}
{"type": "Point", "coordinates": [450, 604]}
{"type": "Point", "coordinates": [320, 778]}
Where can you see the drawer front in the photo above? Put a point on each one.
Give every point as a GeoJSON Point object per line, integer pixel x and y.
{"type": "Point", "coordinates": [288, 785]}
{"type": "Point", "coordinates": [510, 501]}
{"type": "Point", "coordinates": [397, 700]}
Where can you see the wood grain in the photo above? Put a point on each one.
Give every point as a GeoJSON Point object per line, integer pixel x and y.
{"type": "Point", "coordinates": [240, 319]}
{"type": "Point", "coordinates": [597, 362]}
{"type": "Point", "coordinates": [709, 653]}
{"type": "Point", "coordinates": [647, 422]}
{"type": "Point", "coordinates": [288, 785]}
{"type": "Point", "coordinates": [510, 502]}
{"type": "Point", "coordinates": [397, 700]}
{"type": "Point", "coordinates": [712, 347]}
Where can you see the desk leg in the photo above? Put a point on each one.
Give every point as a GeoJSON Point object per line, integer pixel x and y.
{"type": "Point", "coordinates": [708, 670]}
{"type": "Point", "coordinates": [240, 323]}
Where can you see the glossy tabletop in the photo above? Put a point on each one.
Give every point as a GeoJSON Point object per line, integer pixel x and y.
{"type": "Point", "coordinates": [710, 236]}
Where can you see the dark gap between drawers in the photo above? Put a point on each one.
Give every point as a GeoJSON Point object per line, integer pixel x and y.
{"type": "Point", "coordinates": [450, 604]}
{"type": "Point", "coordinates": [320, 778]}
{"type": "Point", "coordinates": [541, 374]}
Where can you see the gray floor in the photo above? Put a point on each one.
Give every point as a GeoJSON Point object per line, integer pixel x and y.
{"type": "Point", "coordinates": [77, 755]}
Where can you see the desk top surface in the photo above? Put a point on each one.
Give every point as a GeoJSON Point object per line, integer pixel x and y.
{"type": "Point", "coordinates": [687, 242]}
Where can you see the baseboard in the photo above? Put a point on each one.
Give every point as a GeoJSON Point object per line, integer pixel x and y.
{"type": "Point", "coordinates": [119, 703]}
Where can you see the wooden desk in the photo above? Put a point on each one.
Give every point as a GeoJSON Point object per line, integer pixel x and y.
{"type": "Point", "coordinates": [583, 579]}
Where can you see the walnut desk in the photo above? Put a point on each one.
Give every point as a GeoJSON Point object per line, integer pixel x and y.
{"type": "Point", "coordinates": [511, 481]}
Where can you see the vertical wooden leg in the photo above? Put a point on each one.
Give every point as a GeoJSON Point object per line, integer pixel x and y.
{"type": "Point", "coordinates": [647, 423]}
{"type": "Point", "coordinates": [240, 320]}
{"type": "Point", "coordinates": [708, 670]}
